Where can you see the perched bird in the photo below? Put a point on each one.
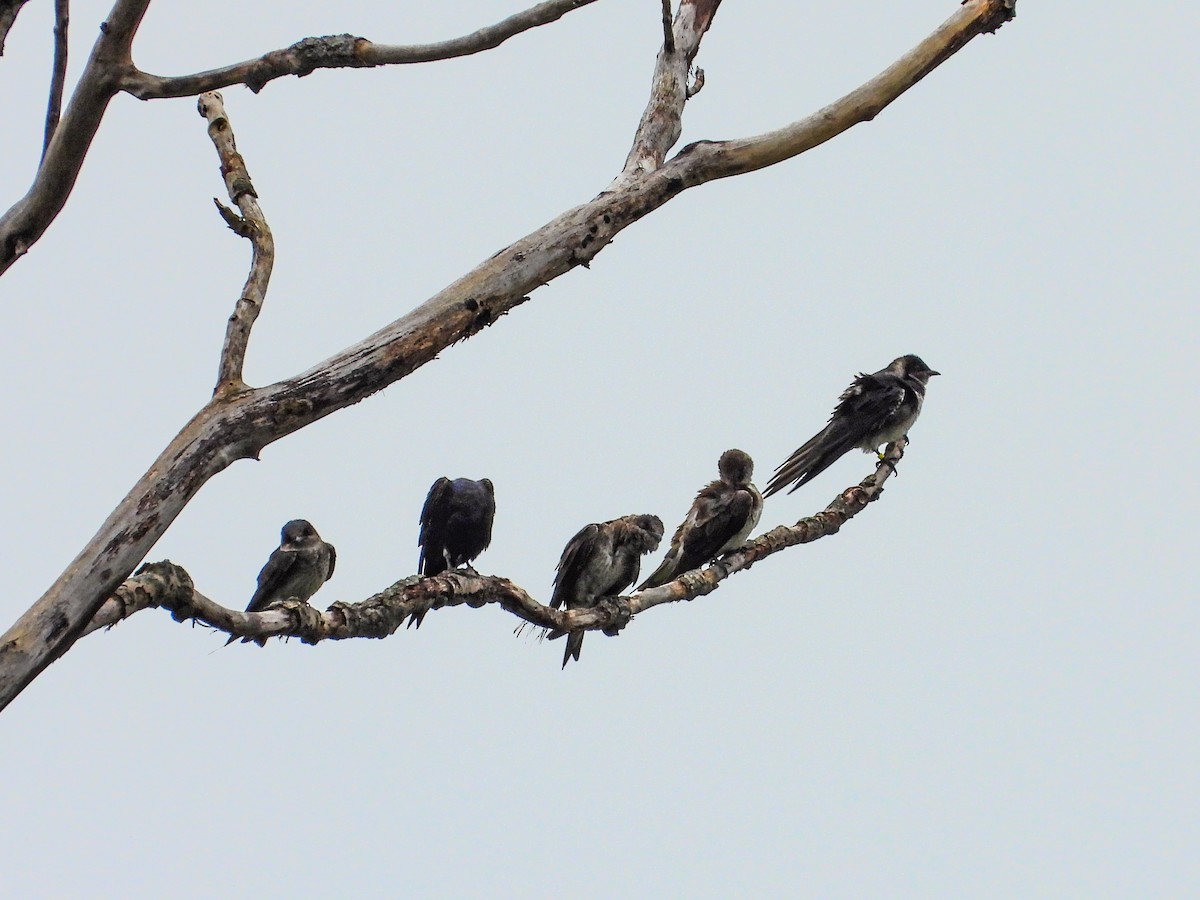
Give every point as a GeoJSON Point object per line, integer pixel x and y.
{"type": "Point", "coordinates": [456, 523]}
{"type": "Point", "coordinates": [875, 410]}
{"type": "Point", "coordinates": [600, 561]}
{"type": "Point", "coordinates": [297, 569]}
{"type": "Point", "coordinates": [456, 526]}
{"type": "Point", "coordinates": [721, 518]}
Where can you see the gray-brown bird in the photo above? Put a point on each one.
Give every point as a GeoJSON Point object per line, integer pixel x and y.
{"type": "Point", "coordinates": [875, 410]}
{"type": "Point", "coordinates": [721, 518]}
{"type": "Point", "coordinates": [601, 560]}
{"type": "Point", "coordinates": [296, 569]}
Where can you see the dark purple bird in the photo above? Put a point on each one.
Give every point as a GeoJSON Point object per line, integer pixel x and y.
{"type": "Point", "coordinates": [456, 526]}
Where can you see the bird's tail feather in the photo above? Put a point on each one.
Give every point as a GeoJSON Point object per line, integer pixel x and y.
{"type": "Point", "coordinates": [261, 641]}
{"type": "Point", "coordinates": [574, 645]}
{"type": "Point", "coordinates": [810, 460]}
{"type": "Point", "coordinates": [660, 576]}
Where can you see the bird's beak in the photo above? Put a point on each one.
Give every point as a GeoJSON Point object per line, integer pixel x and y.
{"type": "Point", "coordinates": [931, 374]}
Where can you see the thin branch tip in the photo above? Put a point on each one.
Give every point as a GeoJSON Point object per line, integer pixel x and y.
{"type": "Point", "coordinates": [58, 75]}
{"type": "Point", "coordinates": [343, 51]}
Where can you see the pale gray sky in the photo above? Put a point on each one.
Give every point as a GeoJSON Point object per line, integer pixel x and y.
{"type": "Point", "coordinates": [985, 686]}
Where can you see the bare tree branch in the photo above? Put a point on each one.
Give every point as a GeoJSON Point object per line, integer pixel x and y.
{"type": "Point", "coordinates": [239, 426]}
{"type": "Point", "coordinates": [165, 584]}
{"type": "Point", "coordinates": [253, 226]}
{"type": "Point", "coordinates": [28, 219]}
{"type": "Point", "coordinates": [662, 120]}
{"type": "Point", "coordinates": [722, 159]}
{"type": "Point", "coordinates": [342, 51]}
{"type": "Point", "coordinates": [8, 15]}
{"type": "Point", "coordinates": [62, 16]}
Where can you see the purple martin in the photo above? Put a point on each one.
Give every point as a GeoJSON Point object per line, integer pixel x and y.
{"type": "Point", "coordinates": [721, 518]}
{"type": "Point", "coordinates": [600, 561]}
{"type": "Point", "coordinates": [456, 526]}
{"type": "Point", "coordinates": [875, 410]}
{"type": "Point", "coordinates": [296, 569]}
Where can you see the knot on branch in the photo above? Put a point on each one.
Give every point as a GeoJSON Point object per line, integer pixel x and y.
{"type": "Point", "coordinates": [363, 619]}
{"type": "Point", "coordinates": [159, 584]}
{"type": "Point", "coordinates": [696, 584]}
{"type": "Point", "coordinates": [237, 178]}
{"type": "Point", "coordinates": [305, 56]}
{"type": "Point", "coordinates": [618, 612]}
{"type": "Point", "coordinates": [330, 51]}
{"type": "Point", "coordinates": [379, 615]}
{"type": "Point", "coordinates": [308, 623]}
{"type": "Point", "coordinates": [210, 105]}
{"type": "Point", "coordinates": [291, 408]}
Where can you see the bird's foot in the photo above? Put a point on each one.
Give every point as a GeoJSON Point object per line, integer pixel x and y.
{"type": "Point", "coordinates": [618, 609]}
{"type": "Point", "coordinates": [890, 464]}
{"type": "Point", "coordinates": [719, 562]}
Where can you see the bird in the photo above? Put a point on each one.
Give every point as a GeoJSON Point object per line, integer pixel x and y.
{"type": "Point", "coordinates": [874, 410]}
{"type": "Point", "coordinates": [721, 518]}
{"type": "Point", "coordinates": [599, 561]}
{"type": "Point", "coordinates": [456, 526]}
{"type": "Point", "coordinates": [295, 570]}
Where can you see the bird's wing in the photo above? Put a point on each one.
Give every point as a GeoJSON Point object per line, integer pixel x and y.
{"type": "Point", "coordinates": [665, 571]}
{"type": "Point", "coordinates": [332, 560]}
{"type": "Point", "coordinates": [572, 566]}
{"type": "Point", "coordinates": [676, 560]}
{"type": "Point", "coordinates": [270, 578]}
{"type": "Point", "coordinates": [719, 519]}
{"type": "Point", "coordinates": [432, 538]}
{"type": "Point", "coordinates": [870, 402]}
{"type": "Point", "coordinates": [491, 512]}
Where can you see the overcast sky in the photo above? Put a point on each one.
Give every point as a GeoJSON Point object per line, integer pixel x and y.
{"type": "Point", "coordinates": [985, 686]}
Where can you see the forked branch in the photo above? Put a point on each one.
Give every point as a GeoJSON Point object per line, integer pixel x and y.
{"type": "Point", "coordinates": [662, 120]}
{"type": "Point", "coordinates": [27, 220]}
{"type": "Point", "coordinates": [239, 425]}
{"type": "Point", "coordinates": [110, 69]}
